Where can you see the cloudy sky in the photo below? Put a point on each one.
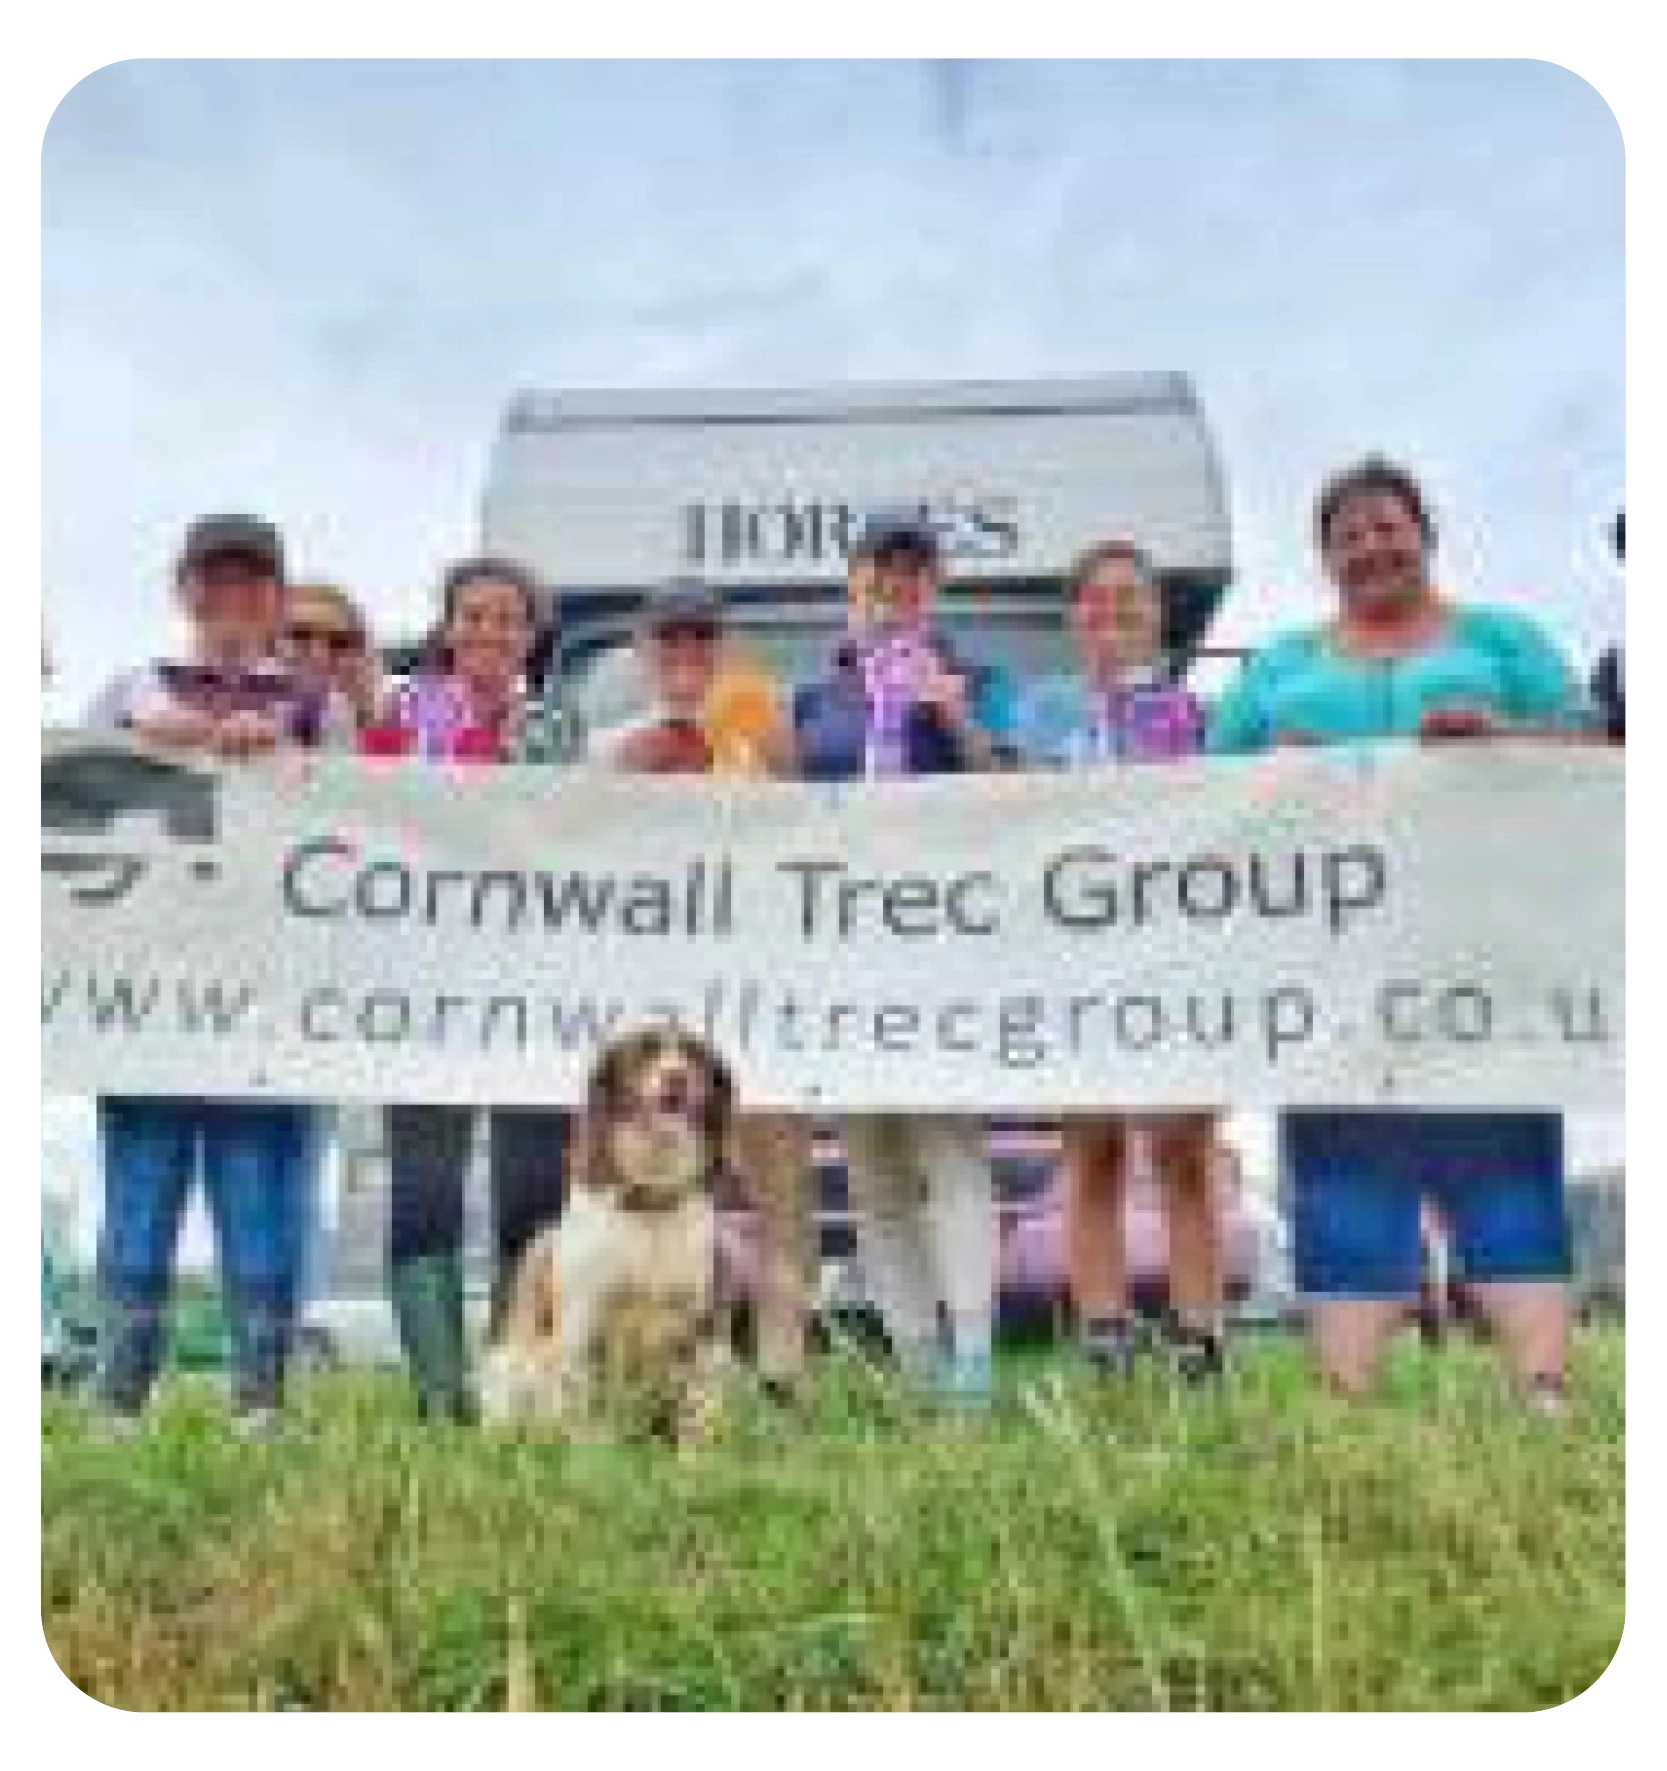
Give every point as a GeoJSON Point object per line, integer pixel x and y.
{"type": "Point", "coordinates": [307, 288]}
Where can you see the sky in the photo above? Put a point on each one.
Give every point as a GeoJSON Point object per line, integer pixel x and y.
{"type": "Point", "coordinates": [309, 288]}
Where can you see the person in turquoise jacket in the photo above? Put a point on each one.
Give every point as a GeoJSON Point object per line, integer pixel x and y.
{"type": "Point", "coordinates": [1401, 659]}
{"type": "Point", "coordinates": [1478, 669]}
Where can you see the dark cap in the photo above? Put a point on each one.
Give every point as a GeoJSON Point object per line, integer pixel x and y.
{"type": "Point", "coordinates": [241, 537]}
{"type": "Point", "coordinates": [681, 602]}
{"type": "Point", "coordinates": [893, 532]}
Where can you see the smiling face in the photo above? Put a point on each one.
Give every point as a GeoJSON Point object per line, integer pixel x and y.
{"type": "Point", "coordinates": [324, 640]}
{"type": "Point", "coordinates": [1117, 615]}
{"type": "Point", "coordinates": [489, 632]}
{"type": "Point", "coordinates": [235, 606]}
{"type": "Point", "coordinates": [894, 586]}
{"type": "Point", "coordinates": [682, 660]}
{"type": "Point", "coordinates": [1375, 553]}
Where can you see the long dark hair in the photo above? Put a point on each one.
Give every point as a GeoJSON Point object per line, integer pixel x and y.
{"type": "Point", "coordinates": [489, 569]}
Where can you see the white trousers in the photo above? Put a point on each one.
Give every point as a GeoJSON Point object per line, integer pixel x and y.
{"type": "Point", "coordinates": [922, 1194]}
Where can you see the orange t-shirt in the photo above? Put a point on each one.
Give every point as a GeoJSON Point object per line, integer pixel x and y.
{"type": "Point", "coordinates": [743, 720]}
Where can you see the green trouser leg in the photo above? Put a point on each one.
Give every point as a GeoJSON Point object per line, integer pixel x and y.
{"type": "Point", "coordinates": [427, 1294]}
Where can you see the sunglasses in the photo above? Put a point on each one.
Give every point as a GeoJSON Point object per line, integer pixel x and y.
{"type": "Point", "coordinates": [699, 633]}
{"type": "Point", "coordinates": [337, 640]}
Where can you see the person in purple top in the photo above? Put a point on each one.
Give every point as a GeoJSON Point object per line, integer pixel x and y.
{"type": "Point", "coordinates": [903, 699]}
{"type": "Point", "coordinates": [1122, 706]}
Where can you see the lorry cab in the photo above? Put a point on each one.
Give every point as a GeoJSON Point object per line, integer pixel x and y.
{"type": "Point", "coordinates": [760, 493]}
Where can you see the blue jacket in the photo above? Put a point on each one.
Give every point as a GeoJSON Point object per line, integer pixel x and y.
{"type": "Point", "coordinates": [830, 720]}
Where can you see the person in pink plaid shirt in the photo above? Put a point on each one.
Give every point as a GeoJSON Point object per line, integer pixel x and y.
{"type": "Point", "coordinates": [1123, 705]}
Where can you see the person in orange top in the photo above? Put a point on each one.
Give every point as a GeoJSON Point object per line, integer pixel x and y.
{"type": "Point", "coordinates": [718, 713]}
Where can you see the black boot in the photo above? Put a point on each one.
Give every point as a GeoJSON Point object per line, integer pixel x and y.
{"type": "Point", "coordinates": [1198, 1350]}
{"type": "Point", "coordinates": [261, 1337]}
{"type": "Point", "coordinates": [1108, 1343]}
{"type": "Point", "coordinates": [130, 1355]}
{"type": "Point", "coordinates": [427, 1295]}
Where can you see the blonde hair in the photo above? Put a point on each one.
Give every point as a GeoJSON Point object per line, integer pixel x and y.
{"type": "Point", "coordinates": [369, 690]}
{"type": "Point", "coordinates": [335, 598]}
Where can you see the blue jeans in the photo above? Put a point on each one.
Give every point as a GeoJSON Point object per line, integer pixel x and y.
{"type": "Point", "coordinates": [305, 1211]}
{"type": "Point", "coordinates": [256, 1159]}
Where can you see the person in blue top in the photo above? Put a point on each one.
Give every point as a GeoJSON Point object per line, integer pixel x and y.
{"type": "Point", "coordinates": [1122, 705]}
{"type": "Point", "coordinates": [901, 699]}
{"type": "Point", "coordinates": [1400, 658]}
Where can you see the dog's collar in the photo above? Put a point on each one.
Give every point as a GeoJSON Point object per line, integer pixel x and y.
{"type": "Point", "coordinates": [652, 1199]}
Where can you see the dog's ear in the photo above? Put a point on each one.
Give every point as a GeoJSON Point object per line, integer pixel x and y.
{"type": "Point", "coordinates": [593, 1165]}
{"type": "Point", "coordinates": [595, 1168]}
{"type": "Point", "coordinates": [607, 1083]}
{"type": "Point", "coordinates": [587, 1157]}
{"type": "Point", "coordinates": [720, 1105]}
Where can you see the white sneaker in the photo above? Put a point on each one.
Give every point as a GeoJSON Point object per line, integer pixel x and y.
{"type": "Point", "coordinates": [1546, 1397]}
{"type": "Point", "coordinates": [114, 1426]}
{"type": "Point", "coordinates": [252, 1425]}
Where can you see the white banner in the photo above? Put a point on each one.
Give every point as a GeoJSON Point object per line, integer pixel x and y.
{"type": "Point", "coordinates": [1387, 925]}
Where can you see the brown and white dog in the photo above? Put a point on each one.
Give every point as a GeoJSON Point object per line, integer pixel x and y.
{"type": "Point", "coordinates": [614, 1308]}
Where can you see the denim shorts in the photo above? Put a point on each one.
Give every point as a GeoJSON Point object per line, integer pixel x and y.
{"type": "Point", "coordinates": [1356, 1181]}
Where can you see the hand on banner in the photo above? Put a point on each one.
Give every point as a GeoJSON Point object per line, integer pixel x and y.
{"type": "Point", "coordinates": [246, 734]}
{"type": "Point", "coordinates": [1442, 723]}
{"type": "Point", "coordinates": [177, 728]}
{"type": "Point", "coordinates": [674, 747]}
{"type": "Point", "coordinates": [945, 692]}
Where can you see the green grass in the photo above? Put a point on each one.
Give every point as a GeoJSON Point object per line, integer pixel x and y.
{"type": "Point", "coordinates": [1264, 1548]}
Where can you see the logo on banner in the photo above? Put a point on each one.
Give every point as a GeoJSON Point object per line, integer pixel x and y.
{"type": "Point", "coordinates": [85, 793]}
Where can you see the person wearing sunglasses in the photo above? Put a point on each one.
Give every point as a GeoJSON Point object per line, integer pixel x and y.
{"type": "Point", "coordinates": [327, 643]}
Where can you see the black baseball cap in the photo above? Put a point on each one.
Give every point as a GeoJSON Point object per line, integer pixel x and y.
{"type": "Point", "coordinates": [896, 532]}
{"type": "Point", "coordinates": [233, 537]}
{"type": "Point", "coordinates": [681, 602]}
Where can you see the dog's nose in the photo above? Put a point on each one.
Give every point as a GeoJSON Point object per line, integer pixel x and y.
{"type": "Point", "coordinates": [677, 1092]}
